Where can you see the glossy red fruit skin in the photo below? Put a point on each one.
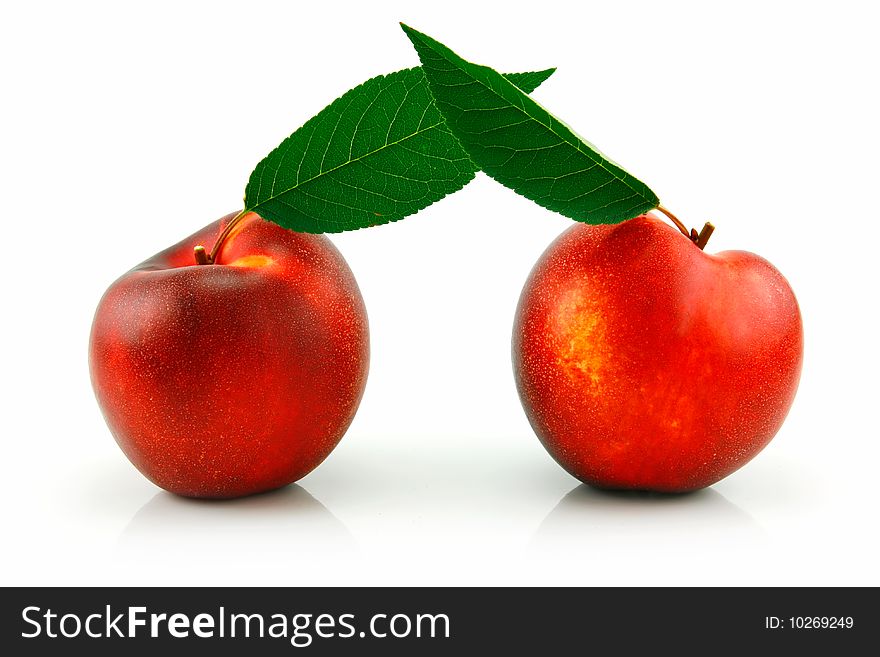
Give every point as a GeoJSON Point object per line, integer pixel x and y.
{"type": "Point", "coordinates": [234, 378]}
{"type": "Point", "coordinates": [645, 363]}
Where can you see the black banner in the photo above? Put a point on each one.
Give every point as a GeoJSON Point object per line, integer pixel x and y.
{"type": "Point", "coordinates": [436, 621]}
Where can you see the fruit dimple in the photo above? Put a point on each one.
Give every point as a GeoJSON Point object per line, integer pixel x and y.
{"type": "Point", "coordinates": [252, 261]}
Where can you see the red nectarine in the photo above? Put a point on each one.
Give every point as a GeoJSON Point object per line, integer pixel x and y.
{"type": "Point", "coordinates": [234, 377]}
{"type": "Point", "coordinates": [643, 362]}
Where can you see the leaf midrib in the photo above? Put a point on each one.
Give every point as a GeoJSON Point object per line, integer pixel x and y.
{"type": "Point", "coordinates": [588, 153]}
{"type": "Point", "coordinates": [344, 164]}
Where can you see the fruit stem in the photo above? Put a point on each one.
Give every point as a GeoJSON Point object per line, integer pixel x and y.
{"type": "Point", "coordinates": [203, 258]}
{"type": "Point", "coordinates": [700, 239]}
{"type": "Point", "coordinates": [676, 221]}
{"type": "Point", "coordinates": [704, 235]}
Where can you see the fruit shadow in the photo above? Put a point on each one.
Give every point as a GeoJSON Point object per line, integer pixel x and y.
{"type": "Point", "coordinates": [630, 521]}
{"type": "Point", "coordinates": [287, 522]}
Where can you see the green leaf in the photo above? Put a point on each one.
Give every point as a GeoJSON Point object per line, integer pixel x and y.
{"type": "Point", "coordinates": [520, 144]}
{"type": "Point", "coordinates": [376, 154]}
{"type": "Point", "coordinates": [531, 80]}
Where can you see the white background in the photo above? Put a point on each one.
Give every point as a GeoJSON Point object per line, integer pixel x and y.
{"type": "Point", "coordinates": [125, 129]}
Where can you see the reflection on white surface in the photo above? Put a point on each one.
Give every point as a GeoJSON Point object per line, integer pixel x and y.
{"type": "Point", "coordinates": [288, 522]}
{"type": "Point", "coordinates": [594, 520]}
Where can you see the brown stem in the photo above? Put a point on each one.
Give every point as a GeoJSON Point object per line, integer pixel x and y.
{"type": "Point", "coordinates": [700, 238]}
{"type": "Point", "coordinates": [675, 220]}
{"type": "Point", "coordinates": [203, 258]}
{"type": "Point", "coordinates": [704, 235]}
{"type": "Point", "coordinates": [223, 235]}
